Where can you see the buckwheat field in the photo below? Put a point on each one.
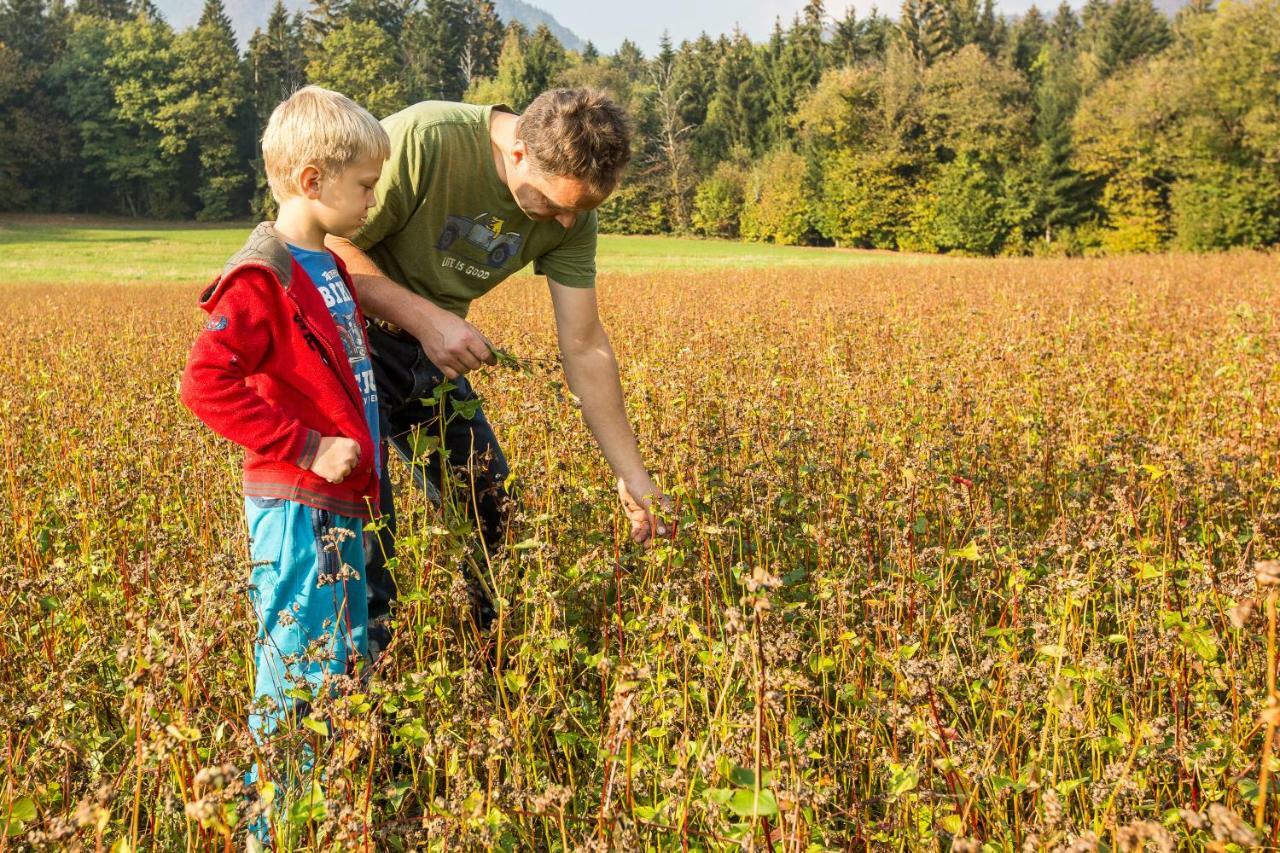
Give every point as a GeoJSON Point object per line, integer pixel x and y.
{"type": "Point", "coordinates": [968, 555]}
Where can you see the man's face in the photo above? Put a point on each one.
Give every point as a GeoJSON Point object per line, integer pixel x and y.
{"type": "Point", "coordinates": [544, 197]}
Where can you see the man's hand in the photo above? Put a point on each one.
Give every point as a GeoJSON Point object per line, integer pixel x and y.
{"type": "Point", "coordinates": [336, 458]}
{"type": "Point", "coordinates": [645, 524]}
{"type": "Point", "coordinates": [453, 345]}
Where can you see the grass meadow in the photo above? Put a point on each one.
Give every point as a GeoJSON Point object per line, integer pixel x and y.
{"type": "Point", "coordinates": [966, 558]}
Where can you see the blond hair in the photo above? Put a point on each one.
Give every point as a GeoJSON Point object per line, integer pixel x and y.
{"type": "Point", "coordinates": [317, 127]}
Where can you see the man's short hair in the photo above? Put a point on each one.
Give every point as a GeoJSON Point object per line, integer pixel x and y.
{"type": "Point", "coordinates": [577, 133]}
{"type": "Point", "coordinates": [317, 127]}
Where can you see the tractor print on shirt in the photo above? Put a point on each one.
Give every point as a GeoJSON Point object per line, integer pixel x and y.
{"type": "Point", "coordinates": [485, 233]}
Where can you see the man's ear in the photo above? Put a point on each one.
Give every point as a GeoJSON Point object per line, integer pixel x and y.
{"type": "Point", "coordinates": [518, 151]}
{"type": "Point", "coordinates": [309, 181]}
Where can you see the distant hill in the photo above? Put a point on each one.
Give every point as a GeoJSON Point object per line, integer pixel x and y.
{"type": "Point", "coordinates": [249, 15]}
{"type": "Point", "coordinates": [531, 16]}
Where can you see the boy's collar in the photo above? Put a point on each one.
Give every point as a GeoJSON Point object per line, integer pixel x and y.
{"type": "Point", "coordinates": [267, 248]}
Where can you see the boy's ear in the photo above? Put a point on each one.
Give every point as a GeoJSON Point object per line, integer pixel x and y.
{"type": "Point", "coordinates": [309, 181]}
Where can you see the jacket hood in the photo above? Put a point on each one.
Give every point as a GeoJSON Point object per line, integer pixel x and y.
{"type": "Point", "coordinates": [264, 249]}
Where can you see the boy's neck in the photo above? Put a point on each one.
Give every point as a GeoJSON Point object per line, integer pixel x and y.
{"type": "Point", "coordinates": [296, 226]}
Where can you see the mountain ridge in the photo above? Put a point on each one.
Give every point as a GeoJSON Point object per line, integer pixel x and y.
{"type": "Point", "coordinates": [249, 15]}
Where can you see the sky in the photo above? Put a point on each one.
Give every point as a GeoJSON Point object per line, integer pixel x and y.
{"type": "Point", "coordinates": [608, 23]}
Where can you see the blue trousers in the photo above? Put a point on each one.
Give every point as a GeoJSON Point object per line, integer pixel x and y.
{"type": "Point", "coordinates": [310, 598]}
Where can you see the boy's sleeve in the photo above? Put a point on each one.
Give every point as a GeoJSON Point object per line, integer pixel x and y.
{"type": "Point", "coordinates": [230, 348]}
{"type": "Point", "coordinates": [400, 186]}
{"type": "Point", "coordinates": [573, 262]}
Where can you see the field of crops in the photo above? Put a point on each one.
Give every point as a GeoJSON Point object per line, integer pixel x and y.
{"type": "Point", "coordinates": [965, 559]}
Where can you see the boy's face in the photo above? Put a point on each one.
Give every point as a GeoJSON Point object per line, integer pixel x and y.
{"type": "Point", "coordinates": [341, 202]}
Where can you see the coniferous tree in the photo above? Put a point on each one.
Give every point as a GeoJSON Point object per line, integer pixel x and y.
{"type": "Point", "coordinates": [436, 39]}
{"type": "Point", "coordinates": [694, 73]}
{"type": "Point", "coordinates": [1027, 38]}
{"type": "Point", "coordinates": [358, 60]}
{"type": "Point", "coordinates": [855, 39]}
{"type": "Point", "coordinates": [277, 62]}
{"type": "Point", "coordinates": [111, 10]}
{"type": "Point", "coordinates": [1065, 29]}
{"type": "Point", "coordinates": [1063, 196]}
{"type": "Point", "coordinates": [485, 33]}
{"type": "Point", "coordinates": [205, 113]}
{"type": "Point", "coordinates": [737, 107]}
{"type": "Point", "coordinates": [1122, 33]}
{"type": "Point", "coordinates": [925, 29]}
{"type": "Point", "coordinates": [545, 58]}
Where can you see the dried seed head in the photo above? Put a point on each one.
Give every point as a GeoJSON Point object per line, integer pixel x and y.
{"type": "Point", "coordinates": [1268, 572]}
{"type": "Point", "coordinates": [1229, 826]}
{"type": "Point", "coordinates": [1239, 615]}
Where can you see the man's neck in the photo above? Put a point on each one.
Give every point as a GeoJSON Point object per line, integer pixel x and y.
{"type": "Point", "coordinates": [298, 228]}
{"type": "Point", "coordinates": [502, 135]}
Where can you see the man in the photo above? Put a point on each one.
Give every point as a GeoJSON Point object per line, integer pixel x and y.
{"type": "Point", "coordinates": [470, 195]}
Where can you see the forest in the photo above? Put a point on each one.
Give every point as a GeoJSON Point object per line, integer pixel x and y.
{"type": "Point", "coordinates": [949, 128]}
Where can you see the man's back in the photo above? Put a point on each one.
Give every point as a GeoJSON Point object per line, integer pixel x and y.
{"type": "Point", "coordinates": [447, 227]}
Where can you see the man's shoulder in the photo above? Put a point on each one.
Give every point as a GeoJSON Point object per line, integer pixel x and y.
{"type": "Point", "coordinates": [434, 114]}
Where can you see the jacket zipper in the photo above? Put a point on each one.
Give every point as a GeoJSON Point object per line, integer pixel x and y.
{"type": "Point", "coordinates": [332, 359]}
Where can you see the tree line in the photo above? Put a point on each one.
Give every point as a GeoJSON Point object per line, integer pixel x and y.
{"type": "Point", "coordinates": [951, 129]}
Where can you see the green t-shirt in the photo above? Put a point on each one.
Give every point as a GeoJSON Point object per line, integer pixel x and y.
{"type": "Point", "coordinates": [447, 227]}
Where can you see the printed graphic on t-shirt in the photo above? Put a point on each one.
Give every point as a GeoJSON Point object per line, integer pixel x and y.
{"type": "Point", "coordinates": [477, 238]}
{"type": "Point", "coordinates": [336, 296]}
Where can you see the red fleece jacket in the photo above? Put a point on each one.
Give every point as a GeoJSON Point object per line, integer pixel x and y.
{"type": "Point", "coordinates": [270, 373]}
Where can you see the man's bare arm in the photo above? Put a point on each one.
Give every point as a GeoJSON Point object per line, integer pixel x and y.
{"type": "Point", "coordinates": [592, 373]}
{"type": "Point", "coordinates": [452, 344]}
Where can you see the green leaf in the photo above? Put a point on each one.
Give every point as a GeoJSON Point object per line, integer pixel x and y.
{"type": "Point", "coordinates": [1201, 641]}
{"type": "Point", "coordinates": [717, 795]}
{"type": "Point", "coordinates": [951, 824]}
{"type": "Point", "coordinates": [23, 808]}
{"type": "Point", "coordinates": [968, 552]}
{"type": "Point", "coordinates": [1055, 651]}
{"type": "Point", "coordinates": [309, 807]}
{"type": "Point", "coordinates": [902, 779]}
{"type": "Point", "coordinates": [317, 726]}
{"type": "Point", "coordinates": [750, 804]}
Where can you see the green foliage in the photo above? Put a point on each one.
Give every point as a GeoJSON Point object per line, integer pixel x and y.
{"type": "Point", "coordinates": [358, 60]}
{"type": "Point", "coordinates": [37, 141]}
{"type": "Point", "coordinates": [527, 66]}
{"type": "Point", "coordinates": [636, 207]}
{"type": "Point", "coordinates": [717, 204]}
{"type": "Point", "coordinates": [736, 114]}
{"type": "Point", "coordinates": [1105, 130]}
{"type": "Point", "coordinates": [204, 111]}
{"type": "Point", "coordinates": [1120, 34]}
{"type": "Point", "coordinates": [968, 208]}
{"type": "Point", "coordinates": [865, 199]}
{"type": "Point", "coordinates": [971, 104]}
{"type": "Point", "coordinates": [775, 205]}
{"type": "Point", "coordinates": [142, 158]}
{"type": "Point", "coordinates": [1226, 205]}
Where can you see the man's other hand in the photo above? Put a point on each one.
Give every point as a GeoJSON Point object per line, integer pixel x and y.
{"type": "Point", "coordinates": [454, 345]}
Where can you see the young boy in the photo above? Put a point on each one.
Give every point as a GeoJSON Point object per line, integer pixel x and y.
{"type": "Point", "coordinates": [282, 367]}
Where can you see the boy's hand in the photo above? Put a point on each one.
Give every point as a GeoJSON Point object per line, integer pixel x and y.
{"type": "Point", "coordinates": [336, 458]}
